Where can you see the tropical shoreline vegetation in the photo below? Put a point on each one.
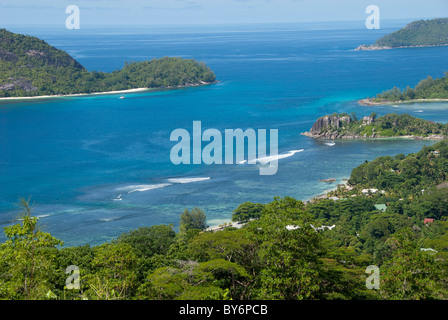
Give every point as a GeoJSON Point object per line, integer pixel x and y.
{"type": "Point", "coordinates": [428, 89]}
{"type": "Point", "coordinates": [30, 67]}
{"type": "Point", "coordinates": [281, 252]}
{"type": "Point", "coordinates": [391, 125]}
{"type": "Point", "coordinates": [421, 33]}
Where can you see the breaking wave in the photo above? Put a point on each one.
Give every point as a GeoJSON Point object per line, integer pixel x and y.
{"type": "Point", "coordinates": [264, 160]}
{"type": "Point", "coordinates": [187, 180]}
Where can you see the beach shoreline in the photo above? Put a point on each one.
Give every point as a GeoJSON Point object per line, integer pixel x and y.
{"type": "Point", "coordinates": [77, 94]}
{"type": "Point", "coordinates": [370, 103]}
{"type": "Point", "coordinates": [134, 90]}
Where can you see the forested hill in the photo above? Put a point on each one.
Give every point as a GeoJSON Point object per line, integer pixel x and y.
{"type": "Point", "coordinates": [427, 89]}
{"type": "Point", "coordinates": [419, 33]}
{"type": "Point", "coordinates": [31, 67]}
{"type": "Point", "coordinates": [345, 126]}
{"type": "Point", "coordinates": [404, 176]}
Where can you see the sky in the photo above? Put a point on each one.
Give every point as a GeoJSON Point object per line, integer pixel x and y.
{"type": "Point", "coordinates": [190, 12]}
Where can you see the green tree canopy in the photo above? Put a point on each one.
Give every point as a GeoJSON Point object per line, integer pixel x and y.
{"type": "Point", "coordinates": [26, 258]}
{"type": "Point", "coordinates": [194, 219]}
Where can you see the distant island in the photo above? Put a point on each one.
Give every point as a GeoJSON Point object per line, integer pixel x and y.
{"type": "Point", "coordinates": [427, 90]}
{"type": "Point", "coordinates": [421, 33]}
{"type": "Point", "coordinates": [345, 126]}
{"type": "Point", "coordinates": [31, 67]}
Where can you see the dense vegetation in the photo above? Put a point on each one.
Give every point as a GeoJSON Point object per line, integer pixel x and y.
{"type": "Point", "coordinates": [418, 175]}
{"type": "Point", "coordinates": [280, 254]}
{"type": "Point", "coordinates": [343, 125]}
{"type": "Point", "coordinates": [31, 67]}
{"type": "Point", "coordinates": [428, 88]}
{"type": "Point", "coordinates": [418, 33]}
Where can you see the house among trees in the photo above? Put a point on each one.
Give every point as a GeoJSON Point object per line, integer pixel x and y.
{"type": "Point", "coordinates": [372, 191]}
{"type": "Point", "coordinates": [380, 207]}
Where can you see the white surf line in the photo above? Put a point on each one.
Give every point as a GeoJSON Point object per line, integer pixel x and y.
{"type": "Point", "coordinates": [148, 187]}
{"type": "Point", "coordinates": [78, 94]}
{"type": "Point", "coordinates": [264, 160]}
{"type": "Point", "coordinates": [118, 198]}
{"type": "Point", "coordinates": [187, 180]}
{"type": "Point", "coordinates": [139, 188]}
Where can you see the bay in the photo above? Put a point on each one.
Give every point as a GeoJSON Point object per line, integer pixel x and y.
{"type": "Point", "coordinates": [97, 166]}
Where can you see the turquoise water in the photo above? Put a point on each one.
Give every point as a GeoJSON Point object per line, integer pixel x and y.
{"type": "Point", "coordinates": [98, 166]}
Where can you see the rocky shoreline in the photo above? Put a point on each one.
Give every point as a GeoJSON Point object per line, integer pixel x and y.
{"type": "Point", "coordinates": [366, 47]}
{"type": "Point", "coordinates": [372, 47]}
{"type": "Point", "coordinates": [337, 127]}
{"type": "Point", "coordinates": [337, 136]}
{"type": "Point", "coordinates": [371, 103]}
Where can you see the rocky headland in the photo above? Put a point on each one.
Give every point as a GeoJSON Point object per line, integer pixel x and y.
{"type": "Point", "coordinates": [344, 126]}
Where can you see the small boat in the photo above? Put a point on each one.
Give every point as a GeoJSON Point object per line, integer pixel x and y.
{"type": "Point", "coordinates": [330, 143]}
{"type": "Point", "coordinates": [122, 97]}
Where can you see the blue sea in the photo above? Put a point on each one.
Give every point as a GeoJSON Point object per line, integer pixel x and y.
{"type": "Point", "coordinates": [98, 166]}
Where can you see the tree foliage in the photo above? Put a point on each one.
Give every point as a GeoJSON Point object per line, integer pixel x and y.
{"type": "Point", "coordinates": [418, 33]}
{"type": "Point", "coordinates": [293, 250]}
{"type": "Point", "coordinates": [27, 258]}
{"type": "Point", "coordinates": [428, 88]}
{"type": "Point", "coordinates": [31, 67]}
{"type": "Point", "coordinates": [194, 219]}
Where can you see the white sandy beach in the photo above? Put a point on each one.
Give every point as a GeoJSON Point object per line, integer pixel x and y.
{"type": "Point", "coordinates": [78, 94]}
{"type": "Point", "coordinates": [369, 103]}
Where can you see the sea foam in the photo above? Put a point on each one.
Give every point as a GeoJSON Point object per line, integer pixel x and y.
{"type": "Point", "coordinates": [264, 160]}
{"type": "Point", "coordinates": [147, 187]}
{"type": "Point", "coordinates": [187, 180]}
{"type": "Point", "coordinates": [143, 187]}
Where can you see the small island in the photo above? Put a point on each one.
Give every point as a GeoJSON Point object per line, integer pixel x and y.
{"type": "Point", "coordinates": [345, 126]}
{"type": "Point", "coordinates": [427, 90]}
{"type": "Point", "coordinates": [30, 67]}
{"type": "Point", "coordinates": [421, 33]}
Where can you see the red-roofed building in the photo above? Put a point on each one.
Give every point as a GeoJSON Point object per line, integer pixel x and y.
{"type": "Point", "coordinates": [427, 220]}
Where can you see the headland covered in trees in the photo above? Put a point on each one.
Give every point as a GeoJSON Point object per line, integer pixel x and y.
{"type": "Point", "coordinates": [427, 90]}
{"type": "Point", "coordinates": [421, 33]}
{"type": "Point", "coordinates": [392, 125]}
{"type": "Point", "coordinates": [30, 67]}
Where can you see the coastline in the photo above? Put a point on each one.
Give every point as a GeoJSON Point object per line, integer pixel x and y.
{"type": "Point", "coordinates": [76, 94]}
{"type": "Point", "coordinates": [435, 137]}
{"type": "Point", "coordinates": [221, 224]}
{"type": "Point", "coordinates": [373, 47]}
{"type": "Point", "coordinates": [135, 90]}
{"type": "Point", "coordinates": [370, 103]}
